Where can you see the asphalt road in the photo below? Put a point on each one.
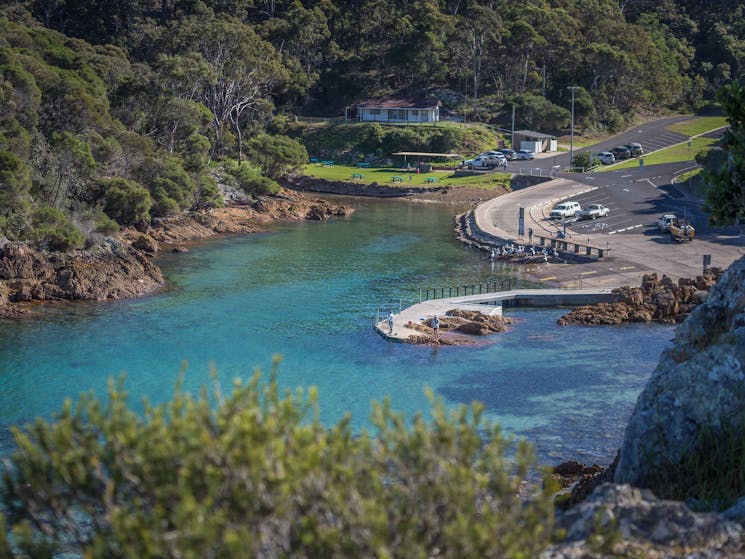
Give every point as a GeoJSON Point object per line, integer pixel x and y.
{"type": "Point", "coordinates": [652, 136]}
{"type": "Point", "coordinates": [636, 198]}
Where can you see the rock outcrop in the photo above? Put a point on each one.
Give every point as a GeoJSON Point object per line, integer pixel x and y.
{"type": "Point", "coordinates": [112, 269]}
{"type": "Point", "coordinates": [656, 300]}
{"type": "Point", "coordinates": [698, 387]}
{"type": "Point", "coordinates": [623, 521]}
{"type": "Point", "coordinates": [459, 327]}
{"type": "Point", "coordinates": [123, 267]}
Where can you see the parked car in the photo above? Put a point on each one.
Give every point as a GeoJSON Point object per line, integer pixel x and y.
{"type": "Point", "coordinates": [493, 153]}
{"type": "Point", "coordinates": [636, 149]}
{"type": "Point", "coordinates": [524, 154]}
{"type": "Point", "coordinates": [482, 162]}
{"type": "Point", "coordinates": [621, 152]}
{"type": "Point", "coordinates": [604, 157]}
{"type": "Point", "coordinates": [565, 209]}
{"type": "Point", "coordinates": [593, 211]}
{"type": "Point", "coordinates": [508, 153]}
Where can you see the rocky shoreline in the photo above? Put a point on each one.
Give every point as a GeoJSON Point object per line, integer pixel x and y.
{"type": "Point", "coordinates": [123, 266]}
{"type": "Point", "coordinates": [658, 299]}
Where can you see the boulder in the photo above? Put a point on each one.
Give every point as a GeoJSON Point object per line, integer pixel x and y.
{"type": "Point", "coordinates": [146, 244]}
{"type": "Point", "coordinates": [697, 388]}
{"type": "Point", "coordinates": [634, 523]}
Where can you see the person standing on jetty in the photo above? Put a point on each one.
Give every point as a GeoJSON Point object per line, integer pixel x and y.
{"type": "Point", "coordinates": [390, 322]}
{"type": "Point", "coordinates": [436, 328]}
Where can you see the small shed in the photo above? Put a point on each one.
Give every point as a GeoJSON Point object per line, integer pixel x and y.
{"type": "Point", "coordinates": [397, 109]}
{"type": "Point", "coordinates": [534, 141]}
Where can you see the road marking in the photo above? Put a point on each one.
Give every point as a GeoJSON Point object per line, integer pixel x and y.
{"type": "Point", "coordinates": [625, 229]}
{"type": "Point", "coordinates": [585, 274]}
{"type": "Point", "coordinates": [548, 278]}
{"type": "Point", "coordinates": [627, 268]}
{"type": "Point", "coordinates": [625, 176]}
{"type": "Point", "coordinates": [626, 190]}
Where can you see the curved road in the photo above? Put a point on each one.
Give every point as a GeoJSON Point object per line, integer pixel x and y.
{"type": "Point", "coordinates": [636, 198]}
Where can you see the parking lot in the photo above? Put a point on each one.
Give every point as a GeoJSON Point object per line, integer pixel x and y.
{"type": "Point", "coordinates": [629, 234]}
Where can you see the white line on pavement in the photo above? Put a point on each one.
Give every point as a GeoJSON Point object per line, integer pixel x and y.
{"type": "Point", "coordinates": [625, 229]}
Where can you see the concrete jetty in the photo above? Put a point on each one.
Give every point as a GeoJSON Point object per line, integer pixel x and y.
{"type": "Point", "coordinates": [487, 303]}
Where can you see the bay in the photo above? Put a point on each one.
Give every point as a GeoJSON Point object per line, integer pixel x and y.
{"type": "Point", "coordinates": [311, 292]}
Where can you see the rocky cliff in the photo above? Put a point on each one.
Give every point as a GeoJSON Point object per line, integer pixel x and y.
{"type": "Point", "coordinates": [697, 388]}
{"type": "Point", "coordinates": [685, 442]}
{"type": "Point", "coordinates": [113, 269]}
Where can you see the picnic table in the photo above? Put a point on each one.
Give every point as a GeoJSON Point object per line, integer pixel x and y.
{"type": "Point", "coordinates": [314, 160]}
{"type": "Point", "coordinates": [363, 164]}
{"type": "Point", "coordinates": [430, 179]}
{"type": "Point", "coordinates": [357, 176]}
{"type": "Point", "coordinates": [327, 163]}
{"type": "Point", "coordinates": [396, 178]}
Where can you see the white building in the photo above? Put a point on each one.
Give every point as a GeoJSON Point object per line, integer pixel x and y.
{"type": "Point", "coordinates": [394, 109]}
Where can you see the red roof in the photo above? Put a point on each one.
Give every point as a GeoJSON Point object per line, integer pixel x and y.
{"type": "Point", "coordinates": [398, 103]}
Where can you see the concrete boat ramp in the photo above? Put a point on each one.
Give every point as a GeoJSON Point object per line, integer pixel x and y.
{"type": "Point", "coordinates": [489, 304]}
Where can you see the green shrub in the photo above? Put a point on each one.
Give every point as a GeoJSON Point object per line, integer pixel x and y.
{"type": "Point", "coordinates": [105, 225]}
{"type": "Point", "coordinates": [125, 201]}
{"type": "Point", "coordinates": [249, 179]}
{"type": "Point", "coordinates": [582, 160]}
{"type": "Point", "coordinates": [52, 230]}
{"type": "Point", "coordinates": [275, 155]}
{"type": "Point", "coordinates": [255, 473]}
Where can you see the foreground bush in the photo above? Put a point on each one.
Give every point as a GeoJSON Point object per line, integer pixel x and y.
{"type": "Point", "coordinates": [256, 474]}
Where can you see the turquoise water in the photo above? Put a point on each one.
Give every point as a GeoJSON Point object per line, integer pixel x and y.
{"type": "Point", "coordinates": [311, 292]}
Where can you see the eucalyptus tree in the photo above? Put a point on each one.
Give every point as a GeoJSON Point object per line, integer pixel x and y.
{"type": "Point", "coordinates": [232, 71]}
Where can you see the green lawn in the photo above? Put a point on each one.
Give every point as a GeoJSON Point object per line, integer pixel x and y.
{"type": "Point", "coordinates": [674, 154]}
{"type": "Point", "coordinates": [384, 175]}
{"type": "Point", "coordinates": [698, 125]}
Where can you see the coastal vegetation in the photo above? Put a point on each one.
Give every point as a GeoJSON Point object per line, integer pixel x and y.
{"type": "Point", "coordinates": [254, 473]}
{"type": "Point", "coordinates": [112, 115]}
{"type": "Point", "coordinates": [724, 174]}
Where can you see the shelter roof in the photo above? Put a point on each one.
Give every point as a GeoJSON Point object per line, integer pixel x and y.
{"type": "Point", "coordinates": [428, 154]}
{"type": "Point", "coordinates": [538, 135]}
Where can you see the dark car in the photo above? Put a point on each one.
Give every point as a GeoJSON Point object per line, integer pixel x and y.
{"type": "Point", "coordinates": [635, 149]}
{"type": "Point", "coordinates": [509, 154]}
{"type": "Point", "coordinates": [621, 152]}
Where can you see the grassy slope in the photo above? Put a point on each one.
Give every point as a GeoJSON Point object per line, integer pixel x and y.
{"type": "Point", "coordinates": [673, 154]}
{"type": "Point", "coordinates": [384, 175]}
{"type": "Point", "coordinates": [681, 152]}
{"type": "Point", "coordinates": [698, 125]}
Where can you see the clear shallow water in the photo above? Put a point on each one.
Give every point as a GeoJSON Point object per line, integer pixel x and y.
{"type": "Point", "coordinates": [311, 291]}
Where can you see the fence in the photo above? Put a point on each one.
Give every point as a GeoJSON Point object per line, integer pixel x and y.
{"type": "Point", "coordinates": [535, 172]}
{"type": "Point", "coordinates": [494, 286]}
{"type": "Point", "coordinates": [320, 120]}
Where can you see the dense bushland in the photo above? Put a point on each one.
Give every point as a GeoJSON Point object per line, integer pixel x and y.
{"type": "Point", "coordinates": [152, 97]}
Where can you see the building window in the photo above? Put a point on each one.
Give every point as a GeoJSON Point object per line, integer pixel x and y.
{"type": "Point", "coordinates": [374, 111]}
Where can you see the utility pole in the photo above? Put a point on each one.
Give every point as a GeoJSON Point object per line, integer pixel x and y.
{"type": "Point", "coordinates": [512, 138]}
{"type": "Point", "coordinates": [572, 88]}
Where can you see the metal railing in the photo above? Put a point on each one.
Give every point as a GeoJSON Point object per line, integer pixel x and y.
{"type": "Point", "coordinates": [492, 286]}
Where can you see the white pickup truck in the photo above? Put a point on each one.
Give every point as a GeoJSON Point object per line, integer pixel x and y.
{"type": "Point", "coordinates": [663, 224]}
